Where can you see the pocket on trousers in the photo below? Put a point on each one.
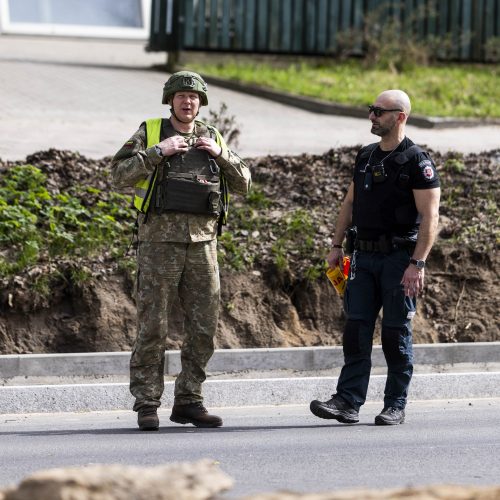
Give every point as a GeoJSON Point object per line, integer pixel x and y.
{"type": "Point", "coordinates": [398, 308]}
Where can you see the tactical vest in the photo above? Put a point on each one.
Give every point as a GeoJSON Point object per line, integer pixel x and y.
{"type": "Point", "coordinates": [189, 182]}
{"type": "Point", "coordinates": [388, 207]}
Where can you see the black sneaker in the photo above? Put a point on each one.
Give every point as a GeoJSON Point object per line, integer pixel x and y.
{"type": "Point", "coordinates": [390, 416]}
{"type": "Point", "coordinates": [196, 414]}
{"type": "Point", "coordinates": [335, 408]}
{"type": "Point", "coordinates": [147, 418]}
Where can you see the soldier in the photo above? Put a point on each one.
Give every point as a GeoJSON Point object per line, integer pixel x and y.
{"type": "Point", "coordinates": [393, 201]}
{"type": "Point", "coordinates": [182, 171]}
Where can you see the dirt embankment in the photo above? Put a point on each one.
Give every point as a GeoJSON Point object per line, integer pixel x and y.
{"type": "Point", "coordinates": [274, 292]}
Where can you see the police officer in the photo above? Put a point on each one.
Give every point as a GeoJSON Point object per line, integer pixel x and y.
{"type": "Point", "coordinates": [182, 171]}
{"type": "Point", "coordinates": [393, 202]}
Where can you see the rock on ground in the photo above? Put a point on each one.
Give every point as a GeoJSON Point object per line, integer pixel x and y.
{"type": "Point", "coordinates": [201, 480]}
{"type": "Point", "coordinates": [445, 492]}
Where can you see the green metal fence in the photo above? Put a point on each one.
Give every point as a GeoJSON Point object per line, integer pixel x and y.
{"type": "Point", "coordinates": [466, 28]}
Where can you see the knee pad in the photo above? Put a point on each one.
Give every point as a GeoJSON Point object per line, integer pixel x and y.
{"type": "Point", "coordinates": [350, 339]}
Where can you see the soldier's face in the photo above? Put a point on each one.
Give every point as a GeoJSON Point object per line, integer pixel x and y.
{"type": "Point", "coordinates": [186, 105]}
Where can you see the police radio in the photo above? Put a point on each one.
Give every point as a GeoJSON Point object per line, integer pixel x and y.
{"type": "Point", "coordinates": [374, 174]}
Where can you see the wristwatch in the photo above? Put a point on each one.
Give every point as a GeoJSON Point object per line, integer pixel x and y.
{"type": "Point", "coordinates": [420, 264]}
{"type": "Point", "coordinates": [158, 150]}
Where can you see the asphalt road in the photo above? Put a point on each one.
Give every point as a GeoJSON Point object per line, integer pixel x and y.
{"type": "Point", "coordinates": [270, 448]}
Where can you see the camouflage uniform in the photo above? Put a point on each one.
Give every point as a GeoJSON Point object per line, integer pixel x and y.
{"type": "Point", "coordinates": [177, 257]}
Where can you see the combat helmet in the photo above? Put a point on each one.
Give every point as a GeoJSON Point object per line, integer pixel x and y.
{"type": "Point", "coordinates": [185, 80]}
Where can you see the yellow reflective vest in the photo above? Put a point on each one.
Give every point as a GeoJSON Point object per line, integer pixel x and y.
{"type": "Point", "coordinates": [144, 187]}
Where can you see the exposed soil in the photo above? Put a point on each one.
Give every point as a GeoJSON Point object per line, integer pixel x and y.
{"type": "Point", "coordinates": [271, 303]}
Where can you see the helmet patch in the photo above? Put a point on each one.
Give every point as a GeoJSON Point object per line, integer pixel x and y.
{"type": "Point", "coordinates": [188, 82]}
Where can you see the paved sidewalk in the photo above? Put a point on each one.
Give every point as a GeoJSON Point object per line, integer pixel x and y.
{"type": "Point", "coordinates": [90, 96]}
{"type": "Point", "coordinates": [241, 377]}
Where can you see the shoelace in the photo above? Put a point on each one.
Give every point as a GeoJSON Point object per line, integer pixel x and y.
{"type": "Point", "coordinates": [392, 410]}
{"type": "Point", "coordinates": [201, 407]}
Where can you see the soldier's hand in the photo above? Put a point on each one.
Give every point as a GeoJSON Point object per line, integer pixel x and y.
{"type": "Point", "coordinates": [173, 145]}
{"type": "Point", "coordinates": [209, 145]}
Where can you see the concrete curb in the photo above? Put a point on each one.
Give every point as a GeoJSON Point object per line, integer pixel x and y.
{"type": "Point", "coordinates": [237, 391]}
{"type": "Point", "coordinates": [326, 107]}
{"type": "Point", "coordinates": [431, 356]}
{"type": "Point", "coordinates": [249, 392]}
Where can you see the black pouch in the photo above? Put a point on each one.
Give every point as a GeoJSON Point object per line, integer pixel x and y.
{"type": "Point", "coordinates": [191, 196]}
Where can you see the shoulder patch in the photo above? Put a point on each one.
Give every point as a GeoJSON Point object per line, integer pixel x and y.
{"type": "Point", "coordinates": [427, 169]}
{"type": "Point", "coordinates": [428, 173]}
{"type": "Point", "coordinates": [129, 144]}
{"type": "Point", "coordinates": [425, 163]}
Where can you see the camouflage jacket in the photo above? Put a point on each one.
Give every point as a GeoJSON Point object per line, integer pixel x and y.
{"type": "Point", "coordinates": [134, 162]}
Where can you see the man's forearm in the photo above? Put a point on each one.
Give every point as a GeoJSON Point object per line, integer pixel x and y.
{"type": "Point", "coordinates": [343, 222]}
{"type": "Point", "coordinates": [236, 171]}
{"type": "Point", "coordinates": [344, 219]}
{"type": "Point", "coordinates": [426, 236]}
{"type": "Point", "coordinates": [127, 172]}
{"type": "Point", "coordinates": [427, 202]}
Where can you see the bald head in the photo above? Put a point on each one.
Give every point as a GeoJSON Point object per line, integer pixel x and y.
{"type": "Point", "coordinates": [395, 99]}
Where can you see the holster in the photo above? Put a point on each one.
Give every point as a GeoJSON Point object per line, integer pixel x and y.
{"type": "Point", "coordinates": [350, 239]}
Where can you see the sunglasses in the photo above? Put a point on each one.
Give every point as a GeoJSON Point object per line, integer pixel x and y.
{"type": "Point", "coordinates": [380, 111]}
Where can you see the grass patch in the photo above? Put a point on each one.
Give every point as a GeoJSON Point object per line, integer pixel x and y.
{"type": "Point", "coordinates": [447, 90]}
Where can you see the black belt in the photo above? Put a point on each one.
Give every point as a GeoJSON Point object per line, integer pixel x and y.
{"type": "Point", "coordinates": [384, 244]}
{"type": "Point", "coordinates": [367, 246]}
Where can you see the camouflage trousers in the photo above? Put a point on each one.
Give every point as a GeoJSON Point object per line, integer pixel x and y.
{"type": "Point", "coordinates": [168, 272]}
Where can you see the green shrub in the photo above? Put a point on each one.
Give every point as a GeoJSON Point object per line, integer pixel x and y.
{"type": "Point", "coordinates": [38, 226]}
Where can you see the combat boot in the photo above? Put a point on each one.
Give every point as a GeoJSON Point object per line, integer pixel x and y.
{"type": "Point", "coordinates": [196, 414]}
{"type": "Point", "coordinates": [147, 418]}
{"type": "Point", "coordinates": [335, 408]}
{"type": "Point", "coordinates": [390, 416]}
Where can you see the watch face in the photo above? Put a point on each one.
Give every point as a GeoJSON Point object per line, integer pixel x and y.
{"type": "Point", "coordinates": [420, 264]}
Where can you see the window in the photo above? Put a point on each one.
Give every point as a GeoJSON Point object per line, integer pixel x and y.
{"type": "Point", "coordinates": [99, 18]}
